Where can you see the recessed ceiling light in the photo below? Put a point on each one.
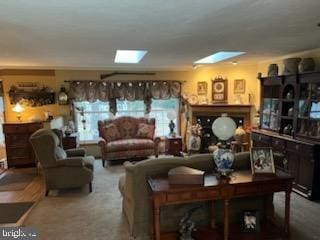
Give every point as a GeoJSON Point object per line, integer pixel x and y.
{"type": "Point", "coordinates": [234, 62]}
{"type": "Point", "coordinates": [219, 56]}
{"type": "Point", "coordinates": [129, 56]}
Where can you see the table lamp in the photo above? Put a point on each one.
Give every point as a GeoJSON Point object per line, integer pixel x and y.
{"type": "Point", "coordinates": [223, 127]}
{"type": "Point", "coordinates": [18, 109]}
{"type": "Point", "coordinates": [171, 115]}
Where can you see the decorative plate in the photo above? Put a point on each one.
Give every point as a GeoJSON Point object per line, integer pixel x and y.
{"type": "Point", "coordinates": [193, 99]}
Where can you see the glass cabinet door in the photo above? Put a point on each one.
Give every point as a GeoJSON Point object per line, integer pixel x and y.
{"type": "Point", "coordinates": [270, 108]}
{"type": "Point", "coordinates": [309, 110]}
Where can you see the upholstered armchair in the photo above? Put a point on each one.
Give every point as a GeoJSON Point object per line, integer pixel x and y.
{"type": "Point", "coordinates": [62, 169]}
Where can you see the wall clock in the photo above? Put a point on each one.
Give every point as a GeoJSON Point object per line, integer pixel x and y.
{"type": "Point", "coordinates": [219, 90]}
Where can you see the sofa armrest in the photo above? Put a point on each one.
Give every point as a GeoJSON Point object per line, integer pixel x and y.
{"type": "Point", "coordinates": [102, 142]}
{"type": "Point", "coordinates": [76, 152]}
{"type": "Point", "coordinates": [71, 162]}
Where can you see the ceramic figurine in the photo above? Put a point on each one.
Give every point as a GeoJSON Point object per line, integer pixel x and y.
{"type": "Point", "coordinates": [273, 70]}
{"type": "Point", "coordinates": [306, 65]}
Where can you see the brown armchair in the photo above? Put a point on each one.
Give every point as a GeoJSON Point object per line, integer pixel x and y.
{"type": "Point", "coordinates": [62, 169]}
{"type": "Point", "coordinates": [127, 138]}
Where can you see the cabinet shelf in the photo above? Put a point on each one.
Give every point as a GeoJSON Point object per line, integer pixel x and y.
{"type": "Point", "coordinates": [287, 117]}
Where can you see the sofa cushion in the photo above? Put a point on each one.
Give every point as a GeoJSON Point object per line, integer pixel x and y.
{"type": "Point", "coordinates": [111, 132]}
{"type": "Point", "coordinates": [129, 144]}
{"type": "Point", "coordinates": [145, 131]}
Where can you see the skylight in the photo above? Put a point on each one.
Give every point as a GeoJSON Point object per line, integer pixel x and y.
{"type": "Point", "coordinates": [219, 56]}
{"type": "Point", "coordinates": [129, 56]}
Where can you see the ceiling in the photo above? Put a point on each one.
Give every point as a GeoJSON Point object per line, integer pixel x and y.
{"type": "Point", "coordinates": [86, 34]}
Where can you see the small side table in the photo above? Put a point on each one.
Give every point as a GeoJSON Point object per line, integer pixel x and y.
{"type": "Point", "coordinates": [69, 142]}
{"type": "Point", "coordinates": [173, 145]}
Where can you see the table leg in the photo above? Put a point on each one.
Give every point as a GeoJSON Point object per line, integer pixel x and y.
{"type": "Point", "coordinates": [156, 222]}
{"type": "Point", "coordinates": [213, 219]}
{"type": "Point", "coordinates": [287, 215]}
{"type": "Point", "coordinates": [226, 219]}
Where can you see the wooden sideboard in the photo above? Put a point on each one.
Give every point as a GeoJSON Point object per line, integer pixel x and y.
{"type": "Point", "coordinates": [241, 184]}
{"type": "Point", "coordinates": [19, 150]}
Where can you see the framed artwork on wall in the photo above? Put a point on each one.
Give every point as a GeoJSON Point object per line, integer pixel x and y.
{"type": "Point", "coordinates": [239, 86]}
{"type": "Point", "coordinates": [219, 90]}
{"type": "Point", "coordinates": [202, 88]}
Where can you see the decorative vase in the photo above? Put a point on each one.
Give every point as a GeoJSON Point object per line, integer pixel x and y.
{"type": "Point", "coordinates": [273, 70]}
{"type": "Point", "coordinates": [291, 65]}
{"type": "Point", "coordinates": [223, 158]}
{"type": "Point", "coordinates": [287, 129]}
{"type": "Point", "coordinates": [239, 135]}
{"type": "Point", "coordinates": [307, 65]}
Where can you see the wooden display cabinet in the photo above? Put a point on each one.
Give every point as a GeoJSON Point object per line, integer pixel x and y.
{"type": "Point", "coordinates": [290, 124]}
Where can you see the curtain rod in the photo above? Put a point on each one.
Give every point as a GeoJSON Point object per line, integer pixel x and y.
{"type": "Point", "coordinates": [112, 81]}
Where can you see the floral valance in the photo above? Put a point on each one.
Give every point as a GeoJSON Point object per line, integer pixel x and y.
{"type": "Point", "coordinates": [131, 91]}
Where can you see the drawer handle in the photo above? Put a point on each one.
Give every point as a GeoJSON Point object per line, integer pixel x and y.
{"type": "Point", "coordinates": [175, 142]}
{"type": "Point", "coordinates": [260, 138]}
{"type": "Point", "coordinates": [277, 142]}
{"type": "Point", "coordinates": [297, 147]}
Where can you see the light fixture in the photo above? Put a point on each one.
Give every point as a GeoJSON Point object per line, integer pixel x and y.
{"type": "Point", "coordinates": [63, 96]}
{"type": "Point", "coordinates": [218, 57]}
{"type": "Point", "coordinates": [223, 128]}
{"type": "Point", "coordinates": [171, 115]}
{"type": "Point", "coordinates": [18, 109]}
{"type": "Point", "coordinates": [129, 56]}
{"type": "Point", "coordinates": [234, 63]}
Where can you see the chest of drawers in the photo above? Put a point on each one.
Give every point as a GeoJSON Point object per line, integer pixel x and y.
{"type": "Point", "coordinates": [19, 150]}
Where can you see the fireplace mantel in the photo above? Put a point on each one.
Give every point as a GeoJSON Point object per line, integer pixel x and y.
{"type": "Point", "coordinates": [233, 110]}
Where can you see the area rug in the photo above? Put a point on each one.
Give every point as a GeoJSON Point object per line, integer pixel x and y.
{"type": "Point", "coordinates": [16, 181]}
{"type": "Point", "coordinates": [12, 212]}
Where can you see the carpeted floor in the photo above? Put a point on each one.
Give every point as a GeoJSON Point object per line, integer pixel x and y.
{"type": "Point", "coordinates": [75, 214]}
{"type": "Point", "coordinates": [17, 180]}
{"type": "Point", "coordinates": [12, 212]}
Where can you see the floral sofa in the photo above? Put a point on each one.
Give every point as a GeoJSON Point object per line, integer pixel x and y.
{"type": "Point", "coordinates": [127, 138]}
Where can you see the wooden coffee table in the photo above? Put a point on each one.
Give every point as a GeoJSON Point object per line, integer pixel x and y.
{"type": "Point", "coordinates": [241, 184]}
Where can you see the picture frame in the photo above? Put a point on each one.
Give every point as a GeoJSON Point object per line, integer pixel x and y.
{"type": "Point", "coordinates": [219, 90]}
{"type": "Point", "coordinates": [262, 161]}
{"type": "Point", "coordinates": [239, 86]}
{"type": "Point", "coordinates": [250, 221]}
{"type": "Point", "coordinates": [202, 88]}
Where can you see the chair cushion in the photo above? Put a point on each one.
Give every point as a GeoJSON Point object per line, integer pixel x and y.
{"type": "Point", "coordinates": [129, 144]}
{"type": "Point", "coordinates": [111, 132]}
{"type": "Point", "coordinates": [145, 131]}
{"type": "Point", "coordinates": [60, 153]}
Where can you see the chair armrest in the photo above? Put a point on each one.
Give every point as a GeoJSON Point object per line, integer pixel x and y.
{"type": "Point", "coordinates": [102, 142]}
{"type": "Point", "coordinates": [76, 152]}
{"type": "Point", "coordinates": [71, 162]}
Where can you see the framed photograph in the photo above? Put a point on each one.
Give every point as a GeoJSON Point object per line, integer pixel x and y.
{"type": "Point", "coordinates": [239, 86]}
{"type": "Point", "coordinates": [250, 221]}
{"type": "Point", "coordinates": [219, 90]}
{"type": "Point", "coordinates": [262, 161]}
{"type": "Point", "coordinates": [202, 88]}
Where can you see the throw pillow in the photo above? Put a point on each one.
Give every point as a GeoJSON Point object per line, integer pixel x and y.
{"type": "Point", "coordinates": [111, 133]}
{"type": "Point", "coordinates": [145, 131]}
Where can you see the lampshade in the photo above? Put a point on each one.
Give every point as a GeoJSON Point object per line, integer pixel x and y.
{"type": "Point", "coordinates": [171, 115]}
{"type": "Point", "coordinates": [223, 127]}
{"type": "Point", "coordinates": [17, 108]}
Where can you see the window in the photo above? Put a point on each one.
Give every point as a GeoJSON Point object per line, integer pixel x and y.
{"type": "Point", "coordinates": [92, 112]}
